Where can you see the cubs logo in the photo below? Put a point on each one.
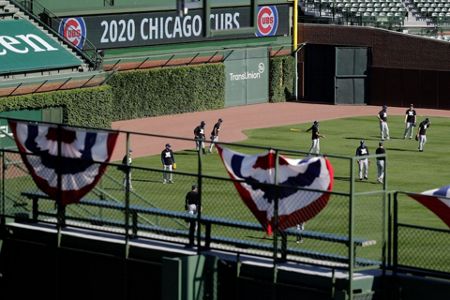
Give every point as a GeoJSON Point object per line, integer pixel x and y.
{"type": "Point", "coordinates": [267, 21]}
{"type": "Point", "coordinates": [73, 30]}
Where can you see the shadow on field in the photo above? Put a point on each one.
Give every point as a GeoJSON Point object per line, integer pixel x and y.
{"type": "Point", "coordinates": [146, 180]}
{"type": "Point", "coordinates": [401, 149]}
{"type": "Point", "coordinates": [342, 178]}
{"type": "Point", "coordinates": [372, 138]}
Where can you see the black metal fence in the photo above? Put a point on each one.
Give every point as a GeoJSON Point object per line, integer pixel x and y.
{"type": "Point", "coordinates": [353, 232]}
{"type": "Point", "coordinates": [339, 236]}
{"type": "Point", "coordinates": [420, 240]}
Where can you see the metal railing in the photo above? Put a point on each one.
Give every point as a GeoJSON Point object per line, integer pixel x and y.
{"type": "Point", "coordinates": [357, 230]}
{"type": "Point", "coordinates": [419, 245]}
{"type": "Point", "coordinates": [57, 82]}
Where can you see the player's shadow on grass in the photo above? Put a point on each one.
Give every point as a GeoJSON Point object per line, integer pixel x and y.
{"type": "Point", "coordinates": [401, 149]}
{"type": "Point", "coordinates": [372, 138]}
{"type": "Point", "coordinates": [342, 178]}
{"type": "Point", "coordinates": [187, 152]}
{"type": "Point", "coordinates": [147, 180]}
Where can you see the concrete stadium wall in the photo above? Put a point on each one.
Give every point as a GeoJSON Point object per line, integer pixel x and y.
{"type": "Point", "coordinates": [403, 68]}
{"type": "Point", "coordinates": [33, 266]}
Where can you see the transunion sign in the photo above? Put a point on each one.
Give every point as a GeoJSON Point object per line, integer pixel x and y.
{"type": "Point", "coordinates": [24, 48]}
{"type": "Point", "coordinates": [143, 29]}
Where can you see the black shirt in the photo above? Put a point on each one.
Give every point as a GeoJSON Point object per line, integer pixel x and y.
{"type": "Point", "coordinates": [411, 116]}
{"type": "Point", "coordinates": [362, 151]}
{"type": "Point", "coordinates": [314, 132]}
{"type": "Point", "coordinates": [380, 151]}
{"type": "Point", "coordinates": [192, 198]}
{"type": "Point", "coordinates": [167, 157]}
{"type": "Point", "coordinates": [199, 131]}
{"type": "Point", "coordinates": [423, 127]}
{"type": "Point", "coordinates": [383, 115]}
{"type": "Point", "coordinates": [216, 129]}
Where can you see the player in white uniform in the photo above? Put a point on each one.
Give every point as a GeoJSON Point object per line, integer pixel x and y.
{"type": "Point", "coordinates": [363, 161]}
{"type": "Point", "coordinates": [410, 122]}
{"type": "Point", "coordinates": [384, 129]}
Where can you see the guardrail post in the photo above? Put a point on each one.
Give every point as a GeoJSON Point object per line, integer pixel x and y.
{"type": "Point", "coordinates": [351, 242]}
{"type": "Point", "coordinates": [3, 198]}
{"type": "Point", "coordinates": [134, 226]}
{"type": "Point", "coordinates": [35, 210]}
{"type": "Point", "coordinates": [200, 194]}
{"type": "Point", "coordinates": [127, 195]}
{"type": "Point", "coordinates": [207, 235]}
{"type": "Point", "coordinates": [395, 237]}
{"type": "Point", "coordinates": [61, 209]}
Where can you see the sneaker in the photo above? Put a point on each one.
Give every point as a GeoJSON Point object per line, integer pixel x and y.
{"type": "Point", "coordinates": [170, 181]}
{"type": "Point", "coordinates": [366, 178]}
{"type": "Point", "coordinates": [360, 178]}
{"type": "Point", "coordinates": [164, 181]}
{"type": "Point", "coordinates": [299, 240]}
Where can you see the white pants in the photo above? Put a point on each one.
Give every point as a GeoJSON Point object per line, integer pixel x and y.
{"type": "Point", "coordinates": [192, 209]}
{"type": "Point", "coordinates": [315, 147]}
{"type": "Point", "coordinates": [384, 130]}
{"type": "Point", "coordinates": [409, 130]}
{"type": "Point", "coordinates": [125, 181]}
{"type": "Point", "coordinates": [363, 168]}
{"type": "Point", "coordinates": [214, 139]}
{"type": "Point", "coordinates": [167, 174]}
{"type": "Point", "coordinates": [422, 141]}
{"type": "Point", "coordinates": [380, 167]}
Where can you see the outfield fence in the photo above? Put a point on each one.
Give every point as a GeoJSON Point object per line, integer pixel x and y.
{"type": "Point", "coordinates": [418, 246]}
{"type": "Point", "coordinates": [354, 231]}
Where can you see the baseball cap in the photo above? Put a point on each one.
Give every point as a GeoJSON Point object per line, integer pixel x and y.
{"type": "Point", "coordinates": [202, 123]}
{"type": "Point", "coordinates": [384, 106]}
{"type": "Point", "coordinates": [220, 120]}
{"type": "Point", "coordinates": [361, 142]}
{"type": "Point", "coordinates": [194, 186]}
{"type": "Point", "coordinates": [168, 146]}
{"type": "Point", "coordinates": [316, 122]}
{"type": "Point", "coordinates": [380, 144]}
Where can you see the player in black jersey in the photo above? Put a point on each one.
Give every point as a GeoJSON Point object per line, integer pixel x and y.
{"type": "Point", "coordinates": [422, 133]}
{"type": "Point", "coordinates": [410, 122]}
{"type": "Point", "coordinates": [215, 134]}
{"type": "Point", "coordinates": [384, 129]}
{"type": "Point", "coordinates": [380, 162]}
{"type": "Point", "coordinates": [199, 136]}
{"type": "Point", "coordinates": [363, 161]}
{"type": "Point", "coordinates": [315, 137]}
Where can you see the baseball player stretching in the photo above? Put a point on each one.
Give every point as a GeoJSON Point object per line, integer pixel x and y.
{"type": "Point", "coordinates": [422, 133]}
{"type": "Point", "coordinates": [363, 162]}
{"type": "Point", "coordinates": [315, 137]}
{"type": "Point", "coordinates": [384, 129]}
{"type": "Point", "coordinates": [215, 134]}
{"type": "Point", "coordinates": [410, 122]}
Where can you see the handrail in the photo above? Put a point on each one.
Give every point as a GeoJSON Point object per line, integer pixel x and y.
{"type": "Point", "coordinates": [28, 6]}
{"type": "Point", "coordinates": [208, 238]}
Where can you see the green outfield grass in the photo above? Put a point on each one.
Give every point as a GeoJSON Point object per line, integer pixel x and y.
{"type": "Point", "coordinates": [407, 170]}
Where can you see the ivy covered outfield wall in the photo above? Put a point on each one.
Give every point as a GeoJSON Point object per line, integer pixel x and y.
{"type": "Point", "coordinates": [84, 107]}
{"type": "Point", "coordinates": [281, 78]}
{"type": "Point", "coordinates": [151, 92]}
{"type": "Point", "coordinates": [164, 91]}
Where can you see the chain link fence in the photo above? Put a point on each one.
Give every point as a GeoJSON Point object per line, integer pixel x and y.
{"type": "Point", "coordinates": [421, 239]}
{"type": "Point", "coordinates": [153, 208]}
